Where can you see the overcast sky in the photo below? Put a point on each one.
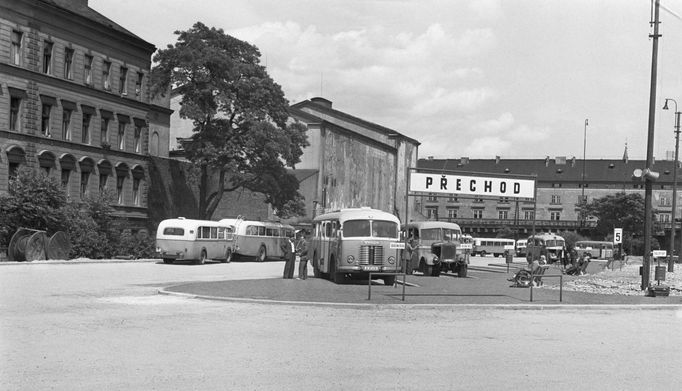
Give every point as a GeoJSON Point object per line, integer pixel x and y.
{"type": "Point", "coordinates": [475, 78]}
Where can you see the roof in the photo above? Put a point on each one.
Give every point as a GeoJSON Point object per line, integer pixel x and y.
{"type": "Point", "coordinates": [81, 8]}
{"type": "Point", "coordinates": [554, 170]}
{"type": "Point", "coordinates": [357, 213]}
{"type": "Point", "coordinates": [325, 106]}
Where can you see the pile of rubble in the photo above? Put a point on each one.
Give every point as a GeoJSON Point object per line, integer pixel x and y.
{"type": "Point", "coordinates": [625, 281]}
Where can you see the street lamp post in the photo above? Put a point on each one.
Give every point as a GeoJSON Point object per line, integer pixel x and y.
{"type": "Point", "coordinates": [582, 185]}
{"type": "Point", "coordinates": [671, 261]}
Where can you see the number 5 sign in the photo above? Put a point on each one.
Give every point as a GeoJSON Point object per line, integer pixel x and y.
{"type": "Point", "coordinates": [617, 235]}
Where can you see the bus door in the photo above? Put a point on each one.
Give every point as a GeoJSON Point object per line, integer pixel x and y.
{"type": "Point", "coordinates": [325, 250]}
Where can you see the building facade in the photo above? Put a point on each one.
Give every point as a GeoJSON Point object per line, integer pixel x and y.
{"type": "Point", "coordinates": [75, 102]}
{"type": "Point", "coordinates": [562, 185]}
{"type": "Point", "coordinates": [354, 162]}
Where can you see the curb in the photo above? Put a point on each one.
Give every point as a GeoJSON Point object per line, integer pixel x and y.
{"type": "Point", "coordinates": [512, 307]}
{"type": "Point", "coordinates": [79, 261]}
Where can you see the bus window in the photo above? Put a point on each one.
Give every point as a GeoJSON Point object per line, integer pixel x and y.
{"type": "Point", "coordinates": [214, 232]}
{"type": "Point", "coordinates": [431, 234]}
{"type": "Point", "coordinates": [271, 232]}
{"type": "Point", "coordinates": [261, 231]}
{"type": "Point", "coordinates": [204, 232]}
{"type": "Point", "coordinates": [328, 229]}
{"type": "Point", "coordinates": [354, 228]}
{"type": "Point", "coordinates": [175, 231]}
{"type": "Point", "coordinates": [384, 229]}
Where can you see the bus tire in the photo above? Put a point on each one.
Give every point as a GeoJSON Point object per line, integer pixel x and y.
{"type": "Point", "coordinates": [483, 253]}
{"type": "Point", "coordinates": [168, 261]}
{"type": "Point", "coordinates": [262, 254]}
{"type": "Point", "coordinates": [228, 256]}
{"type": "Point", "coordinates": [334, 275]}
{"type": "Point", "coordinates": [389, 280]}
{"type": "Point", "coordinates": [203, 257]}
{"type": "Point", "coordinates": [462, 272]}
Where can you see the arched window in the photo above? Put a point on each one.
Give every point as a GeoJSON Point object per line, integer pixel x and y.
{"type": "Point", "coordinates": [87, 165]}
{"type": "Point", "coordinates": [104, 168]}
{"type": "Point", "coordinates": [138, 178]}
{"type": "Point", "coordinates": [15, 157]}
{"type": "Point", "coordinates": [154, 144]}
{"type": "Point", "coordinates": [121, 174]}
{"type": "Point", "coordinates": [67, 163]}
{"type": "Point", "coordinates": [46, 160]}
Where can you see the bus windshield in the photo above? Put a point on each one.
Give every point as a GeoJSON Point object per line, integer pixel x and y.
{"type": "Point", "coordinates": [555, 243]}
{"type": "Point", "coordinates": [431, 234]}
{"type": "Point", "coordinates": [379, 229]}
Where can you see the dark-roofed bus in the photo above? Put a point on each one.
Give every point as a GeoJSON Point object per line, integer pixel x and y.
{"type": "Point", "coordinates": [354, 242]}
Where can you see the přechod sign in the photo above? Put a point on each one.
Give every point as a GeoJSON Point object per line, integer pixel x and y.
{"type": "Point", "coordinates": [472, 185]}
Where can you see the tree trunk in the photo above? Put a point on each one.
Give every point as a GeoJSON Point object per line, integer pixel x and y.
{"type": "Point", "coordinates": [211, 202]}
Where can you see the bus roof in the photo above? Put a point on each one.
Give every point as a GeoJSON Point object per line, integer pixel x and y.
{"type": "Point", "coordinates": [593, 242]}
{"type": "Point", "coordinates": [547, 235]}
{"type": "Point", "coordinates": [432, 224]}
{"type": "Point", "coordinates": [235, 222]}
{"type": "Point", "coordinates": [183, 222]}
{"type": "Point", "coordinates": [357, 214]}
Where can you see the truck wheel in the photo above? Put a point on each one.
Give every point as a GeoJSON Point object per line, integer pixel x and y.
{"type": "Point", "coordinates": [462, 272]}
{"type": "Point", "coordinates": [425, 269]}
{"type": "Point", "coordinates": [228, 256]}
{"type": "Point", "coordinates": [436, 270]}
{"type": "Point", "coordinates": [168, 260]}
{"type": "Point", "coordinates": [203, 258]}
{"type": "Point", "coordinates": [483, 253]}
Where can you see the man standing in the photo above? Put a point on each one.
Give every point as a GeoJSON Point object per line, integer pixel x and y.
{"type": "Point", "coordinates": [288, 248]}
{"type": "Point", "coordinates": [302, 252]}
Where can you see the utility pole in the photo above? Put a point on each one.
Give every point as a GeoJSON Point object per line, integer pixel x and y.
{"type": "Point", "coordinates": [671, 260]}
{"type": "Point", "coordinates": [582, 185]}
{"type": "Point", "coordinates": [648, 182]}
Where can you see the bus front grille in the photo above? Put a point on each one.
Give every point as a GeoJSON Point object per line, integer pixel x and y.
{"type": "Point", "coordinates": [371, 255]}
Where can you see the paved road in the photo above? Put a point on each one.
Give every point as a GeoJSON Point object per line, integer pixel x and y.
{"type": "Point", "coordinates": [103, 326]}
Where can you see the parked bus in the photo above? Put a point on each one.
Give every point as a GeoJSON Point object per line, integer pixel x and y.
{"type": "Point", "coordinates": [521, 247]}
{"type": "Point", "coordinates": [438, 242]}
{"type": "Point", "coordinates": [193, 240]}
{"type": "Point", "coordinates": [258, 240]}
{"type": "Point", "coordinates": [354, 241]}
{"type": "Point", "coordinates": [596, 249]}
{"type": "Point", "coordinates": [494, 246]}
{"type": "Point", "coordinates": [552, 246]}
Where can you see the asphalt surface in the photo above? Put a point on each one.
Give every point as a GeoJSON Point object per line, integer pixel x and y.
{"type": "Point", "coordinates": [486, 284]}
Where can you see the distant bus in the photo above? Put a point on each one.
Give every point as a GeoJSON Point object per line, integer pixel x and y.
{"type": "Point", "coordinates": [552, 246]}
{"type": "Point", "coordinates": [494, 246]}
{"type": "Point", "coordinates": [193, 240]}
{"type": "Point", "coordinates": [258, 240]}
{"type": "Point", "coordinates": [438, 242]}
{"type": "Point", "coordinates": [521, 247]}
{"type": "Point", "coordinates": [354, 242]}
{"type": "Point", "coordinates": [596, 249]}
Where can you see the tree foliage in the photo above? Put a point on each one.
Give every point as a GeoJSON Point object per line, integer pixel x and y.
{"type": "Point", "coordinates": [36, 201]}
{"type": "Point", "coordinates": [622, 210]}
{"type": "Point", "coordinates": [239, 116]}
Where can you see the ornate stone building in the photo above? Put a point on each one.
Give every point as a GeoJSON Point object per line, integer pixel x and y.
{"type": "Point", "coordinates": [75, 102]}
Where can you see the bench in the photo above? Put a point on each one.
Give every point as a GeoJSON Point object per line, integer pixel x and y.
{"type": "Point", "coordinates": [537, 276]}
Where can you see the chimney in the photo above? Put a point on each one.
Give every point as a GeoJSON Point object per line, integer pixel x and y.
{"type": "Point", "coordinates": [547, 161]}
{"type": "Point", "coordinates": [464, 160]}
{"type": "Point", "coordinates": [497, 160]}
{"type": "Point", "coordinates": [573, 161]}
{"type": "Point", "coordinates": [322, 102]}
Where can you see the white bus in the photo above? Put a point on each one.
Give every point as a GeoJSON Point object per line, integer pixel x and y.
{"type": "Point", "coordinates": [258, 240]}
{"type": "Point", "coordinates": [193, 240]}
{"type": "Point", "coordinates": [596, 249]}
{"type": "Point", "coordinates": [521, 247]}
{"type": "Point", "coordinates": [551, 245]}
{"type": "Point", "coordinates": [355, 241]}
{"type": "Point", "coordinates": [494, 246]}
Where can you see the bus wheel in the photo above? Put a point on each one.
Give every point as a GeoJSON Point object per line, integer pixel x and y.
{"type": "Point", "coordinates": [389, 280]}
{"type": "Point", "coordinates": [262, 254]}
{"type": "Point", "coordinates": [228, 256]}
{"type": "Point", "coordinates": [334, 275]}
{"type": "Point", "coordinates": [483, 253]}
{"type": "Point", "coordinates": [202, 260]}
{"type": "Point", "coordinates": [168, 260]}
{"type": "Point", "coordinates": [462, 272]}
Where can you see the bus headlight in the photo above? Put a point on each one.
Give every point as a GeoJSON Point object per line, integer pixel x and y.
{"type": "Point", "coordinates": [350, 259]}
{"type": "Point", "coordinates": [391, 260]}
{"type": "Point", "coordinates": [435, 258]}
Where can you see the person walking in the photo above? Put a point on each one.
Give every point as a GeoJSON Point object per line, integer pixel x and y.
{"type": "Point", "coordinates": [302, 252]}
{"type": "Point", "coordinates": [288, 250]}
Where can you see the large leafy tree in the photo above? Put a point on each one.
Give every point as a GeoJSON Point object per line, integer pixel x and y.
{"type": "Point", "coordinates": [622, 210]}
{"type": "Point", "coordinates": [240, 118]}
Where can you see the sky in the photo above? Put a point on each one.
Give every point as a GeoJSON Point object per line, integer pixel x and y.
{"type": "Point", "coordinates": [474, 78]}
